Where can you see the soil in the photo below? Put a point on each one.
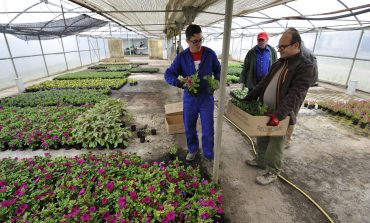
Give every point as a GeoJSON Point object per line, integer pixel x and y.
{"type": "Point", "coordinates": [327, 158]}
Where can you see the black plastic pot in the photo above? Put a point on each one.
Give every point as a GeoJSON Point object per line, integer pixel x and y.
{"type": "Point", "coordinates": [363, 125]}
{"type": "Point", "coordinates": [153, 131]}
{"type": "Point", "coordinates": [140, 134]}
{"type": "Point", "coordinates": [142, 139]}
{"type": "Point", "coordinates": [355, 121]}
{"type": "Point", "coordinates": [133, 128]}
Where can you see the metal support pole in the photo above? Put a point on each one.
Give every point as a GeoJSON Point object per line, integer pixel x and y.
{"type": "Point", "coordinates": [314, 43]}
{"type": "Point", "coordinates": [221, 103]}
{"type": "Point", "coordinates": [78, 49]}
{"type": "Point", "coordinates": [64, 52]}
{"type": "Point", "coordinates": [43, 56]}
{"type": "Point", "coordinates": [11, 56]}
{"type": "Point", "coordinates": [88, 43]}
{"type": "Point", "coordinates": [354, 58]}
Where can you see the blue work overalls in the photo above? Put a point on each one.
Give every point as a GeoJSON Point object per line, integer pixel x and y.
{"type": "Point", "coordinates": [183, 65]}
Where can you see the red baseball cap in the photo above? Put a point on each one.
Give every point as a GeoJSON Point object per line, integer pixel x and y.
{"type": "Point", "coordinates": [262, 35]}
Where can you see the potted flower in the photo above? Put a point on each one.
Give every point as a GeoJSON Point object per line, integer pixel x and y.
{"type": "Point", "coordinates": [364, 120]}
{"type": "Point", "coordinates": [172, 151]}
{"type": "Point", "coordinates": [192, 84]}
{"type": "Point", "coordinates": [212, 84]}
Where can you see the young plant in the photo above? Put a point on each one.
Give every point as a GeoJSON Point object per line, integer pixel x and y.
{"type": "Point", "coordinates": [192, 84]}
{"type": "Point", "coordinates": [173, 149]}
{"type": "Point", "coordinates": [212, 83]}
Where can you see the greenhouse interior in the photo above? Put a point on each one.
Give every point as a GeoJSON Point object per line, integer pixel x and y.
{"type": "Point", "coordinates": [104, 119]}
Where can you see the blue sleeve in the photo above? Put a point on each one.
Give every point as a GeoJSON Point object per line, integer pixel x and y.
{"type": "Point", "coordinates": [172, 73]}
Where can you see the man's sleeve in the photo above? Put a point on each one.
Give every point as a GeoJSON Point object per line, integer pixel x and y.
{"type": "Point", "coordinates": [243, 74]}
{"type": "Point", "coordinates": [172, 73]}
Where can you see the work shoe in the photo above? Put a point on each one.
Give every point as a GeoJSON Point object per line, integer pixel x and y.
{"type": "Point", "coordinates": [253, 163]}
{"type": "Point", "coordinates": [191, 156]}
{"type": "Point", "coordinates": [266, 178]}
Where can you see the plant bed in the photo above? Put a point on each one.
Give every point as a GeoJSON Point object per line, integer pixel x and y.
{"type": "Point", "coordinates": [98, 188]}
{"type": "Point", "coordinates": [93, 75]}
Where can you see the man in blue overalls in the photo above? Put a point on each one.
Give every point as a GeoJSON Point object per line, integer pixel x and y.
{"type": "Point", "coordinates": [203, 61]}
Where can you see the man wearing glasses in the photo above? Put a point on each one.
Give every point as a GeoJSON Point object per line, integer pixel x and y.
{"type": "Point", "coordinates": [200, 60]}
{"type": "Point", "coordinates": [257, 62]}
{"type": "Point", "coordinates": [283, 90]}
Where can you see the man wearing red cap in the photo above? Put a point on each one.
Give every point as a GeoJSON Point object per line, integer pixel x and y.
{"type": "Point", "coordinates": [257, 62]}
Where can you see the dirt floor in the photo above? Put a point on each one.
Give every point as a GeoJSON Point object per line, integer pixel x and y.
{"type": "Point", "coordinates": [327, 158]}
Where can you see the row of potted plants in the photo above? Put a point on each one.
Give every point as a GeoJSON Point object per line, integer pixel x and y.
{"type": "Point", "coordinates": [114, 187]}
{"type": "Point", "coordinates": [93, 75]}
{"type": "Point", "coordinates": [356, 110]}
{"type": "Point", "coordinates": [57, 97]}
{"type": "Point", "coordinates": [79, 83]}
{"type": "Point", "coordinates": [144, 70]}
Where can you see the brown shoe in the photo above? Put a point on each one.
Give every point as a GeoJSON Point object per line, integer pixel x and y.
{"type": "Point", "coordinates": [253, 163]}
{"type": "Point", "coordinates": [266, 178]}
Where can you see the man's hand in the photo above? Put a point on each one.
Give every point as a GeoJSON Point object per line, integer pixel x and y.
{"type": "Point", "coordinates": [274, 121]}
{"type": "Point", "coordinates": [181, 84]}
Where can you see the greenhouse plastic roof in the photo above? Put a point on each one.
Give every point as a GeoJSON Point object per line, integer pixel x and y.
{"type": "Point", "coordinates": [155, 18]}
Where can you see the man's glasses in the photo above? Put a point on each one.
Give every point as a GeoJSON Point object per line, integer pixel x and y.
{"type": "Point", "coordinates": [282, 47]}
{"type": "Point", "coordinates": [196, 41]}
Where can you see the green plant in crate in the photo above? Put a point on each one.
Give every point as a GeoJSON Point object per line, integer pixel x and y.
{"type": "Point", "coordinates": [101, 126]}
{"type": "Point", "coordinates": [256, 108]}
{"type": "Point", "coordinates": [239, 93]}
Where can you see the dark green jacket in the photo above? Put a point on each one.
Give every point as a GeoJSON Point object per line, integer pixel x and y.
{"type": "Point", "coordinates": [291, 89]}
{"type": "Point", "coordinates": [248, 74]}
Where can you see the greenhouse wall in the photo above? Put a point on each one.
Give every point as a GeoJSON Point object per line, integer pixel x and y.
{"type": "Point", "coordinates": [342, 55]}
{"type": "Point", "coordinates": [35, 59]}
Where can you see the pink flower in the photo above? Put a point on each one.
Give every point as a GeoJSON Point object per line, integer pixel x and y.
{"type": "Point", "coordinates": [85, 217]}
{"type": "Point", "coordinates": [219, 210]}
{"type": "Point", "coordinates": [151, 189]}
{"type": "Point", "coordinates": [212, 190]}
{"type": "Point", "coordinates": [145, 200]}
{"type": "Point", "coordinates": [104, 200]}
{"type": "Point", "coordinates": [219, 199]}
{"type": "Point", "coordinates": [48, 176]}
{"type": "Point", "coordinates": [5, 203]}
{"type": "Point", "coordinates": [1, 127]}
{"type": "Point", "coordinates": [205, 215]}
{"type": "Point", "coordinates": [75, 211]}
{"type": "Point", "coordinates": [92, 209]}
{"type": "Point", "coordinates": [110, 186]}
{"type": "Point", "coordinates": [2, 188]}
{"type": "Point", "coordinates": [171, 215]}
{"type": "Point", "coordinates": [80, 161]}
{"type": "Point", "coordinates": [133, 195]}
{"type": "Point", "coordinates": [82, 191]}
{"type": "Point", "coordinates": [122, 202]}
{"type": "Point", "coordinates": [100, 171]}
{"type": "Point", "coordinates": [54, 138]}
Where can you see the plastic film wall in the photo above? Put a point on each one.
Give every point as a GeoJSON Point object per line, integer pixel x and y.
{"type": "Point", "coordinates": [34, 59]}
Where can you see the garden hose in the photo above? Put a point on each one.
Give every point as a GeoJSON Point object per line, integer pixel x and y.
{"type": "Point", "coordinates": [282, 178]}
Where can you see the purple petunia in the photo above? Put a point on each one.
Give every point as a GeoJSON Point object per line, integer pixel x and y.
{"type": "Point", "coordinates": [133, 195]}
{"type": "Point", "coordinates": [151, 189]}
{"type": "Point", "coordinates": [205, 215]}
{"type": "Point", "coordinates": [92, 209]}
{"type": "Point", "coordinates": [85, 217]}
{"type": "Point", "coordinates": [122, 202]}
{"type": "Point", "coordinates": [110, 186]}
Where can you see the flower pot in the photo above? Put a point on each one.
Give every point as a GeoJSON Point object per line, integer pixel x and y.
{"type": "Point", "coordinates": [319, 107]}
{"type": "Point", "coordinates": [355, 121]}
{"type": "Point", "coordinates": [140, 134]}
{"type": "Point", "coordinates": [142, 139]}
{"type": "Point", "coordinates": [363, 125]}
{"type": "Point", "coordinates": [133, 128]}
{"type": "Point", "coordinates": [153, 131]}
{"type": "Point", "coordinates": [305, 105]}
{"type": "Point", "coordinates": [172, 156]}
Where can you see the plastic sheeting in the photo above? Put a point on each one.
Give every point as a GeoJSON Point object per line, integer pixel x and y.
{"type": "Point", "coordinates": [52, 29]}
